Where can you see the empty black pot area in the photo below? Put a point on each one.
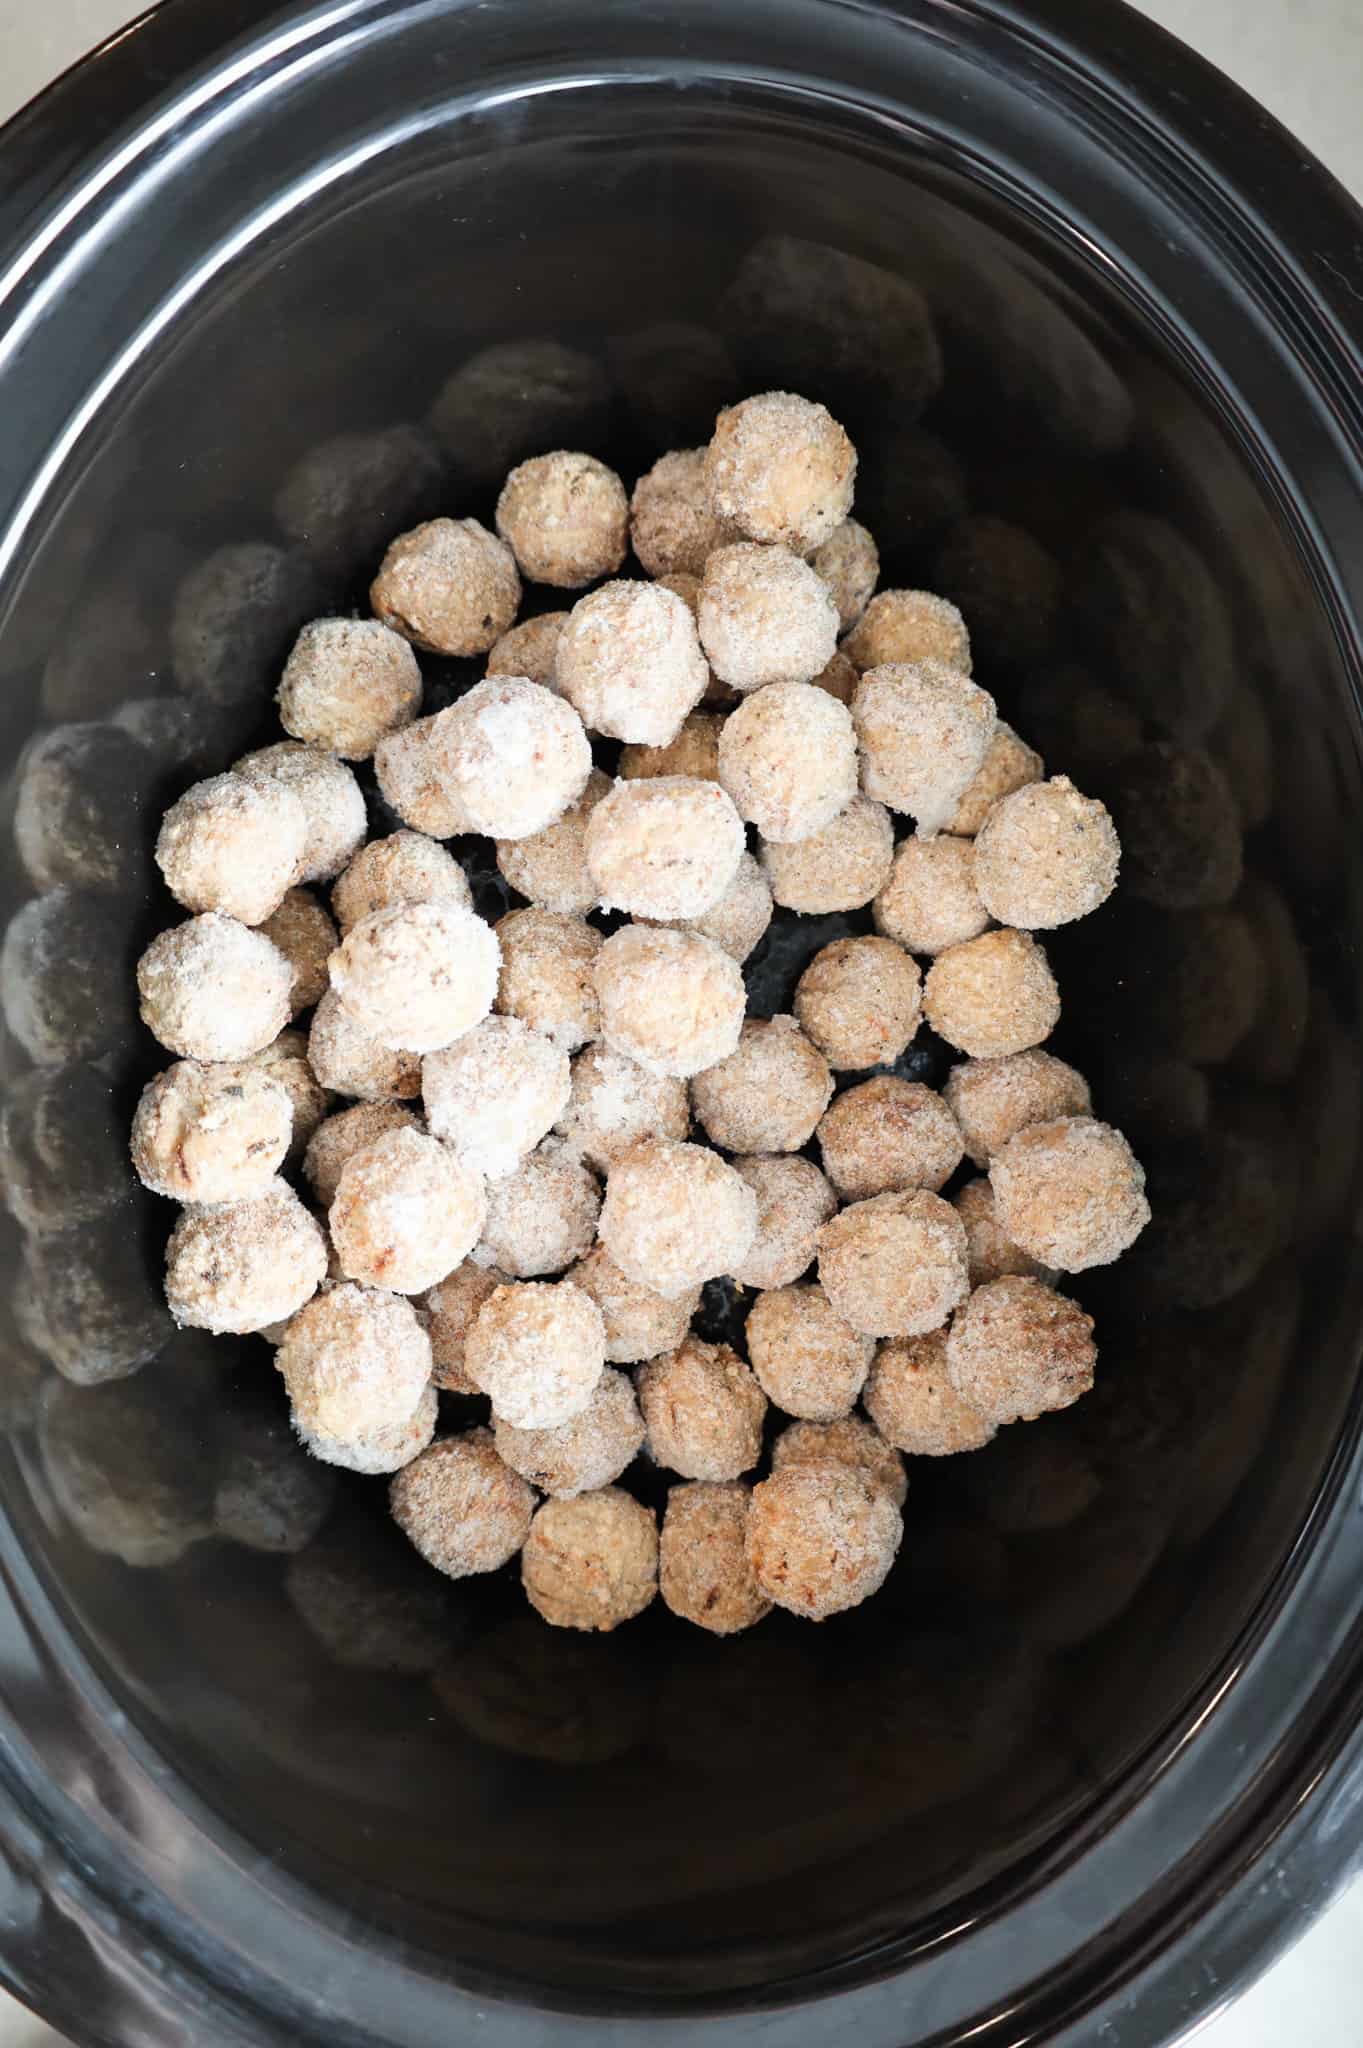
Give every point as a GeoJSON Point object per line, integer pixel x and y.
{"type": "Point", "coordinates": [1089, 318]}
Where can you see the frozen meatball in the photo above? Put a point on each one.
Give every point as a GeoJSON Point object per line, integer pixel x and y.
{"type": "Point", "coordinates": [909, 626]}
{"type": "Point", "coordinates": [1045, 856]}
{"type": "Point", "coordinates": [840, 867]}
{"type": "Point", "coordinates": [541, 1217]}
{"type": "Point", "coordinates": [355, 1361]}
{"type": "Point", "coordinates": [614, 1102]}
{"type": "Point", "coordinates": [913, 1404]}
{"type": "Point", "coordinates": [673, 527]}
{"type": "Point", "coordinates": [518, 756]}
{"type": "Point", "coordinates": [63, 1156]}
{"type": "Point", "coordinates": [993, 995]}
{"type": "Point", "coordinates": [211, 989]}
{"type": "Point", "coordinates": [703, 1411]}
{"type": "Point", "coordinates": [340, 1137]}
{"type": "Point", "coordinates": [992, 1100]}
{"type": "Point", "coordinates": [1007, 585]}
{"type": "Point", "coordinates": [416, 779]}
{"type": "Point", "coordinates": [794, 1201]}
{"type": "Point", "coordinates": [449, 586]}
{"type": "Point", "coordinates": [887, 1134]}
{"type": "Point", "coordinates": [765, 617]}
{"type": "Point", "coordinates": [565, 517]}
{"type": "Point", "coordinates": [924, 731]}
{"type": "Point", "coordinates": [529, 649]}
{"type": "Point", "coordinates": [781, 468]}
{"type": "Point", "coordinates": [895, 1265]}
{"type": "Point", "coordinates": [1010, 764]}
{"type": "Point", "coordinates": [446, 1312]}
{"type": "Point", "coordinates": [740, 918]}
{"type": "Point", "coordinates": [838, 677]}
{"type": "Point", "coordinates": [417, 975]}
{"type": "Point", "coordinates": [929, 901]}
{"type": "Point", "coordinates": [770, 1092]}
{"type": "Point", "coordinates": [859, 1001]}
{"type": "Point", "coordinates": [269, 1495]}
{"type": "Point", "coordinates": [228, 845]}
{"type": "Point", "coordinates": [703, 1569]}
{"type": "Point", "coordinates": [211, 1133]}
{"type": "Point", "coordinates": [85, 1301]}
{"type": "Point", "coordinates": [285, 1059]}
{"type": "Point", "coordinates": [461, 1506]}
{"type": "Point", "coordinates": [385, 1448]}
{"type": "Point", "coordinates": [990, 1253]}
{"type": "Point", "coordinates": [639, 1323]}
{"type": "Point", "coordinates": [590, 1450]}
{"type": "Point", "coordinates": [849, 1441]}
{"type": "Point", "coordinates": [306, 936]}
{"type": "Point", "coordinates": [349, 1062]}
{"type": "Point", "coordinates": [547, 975]}
{"type": "Point", "coordinates": [121, 1464]}
{"type": "Point", "coordinates": [668, 847]}
{"type": "Point", "coordinates": [508, 400]}
{"type": "Point", "coordinates": [550, 867]}
{"type": "Point", "coordinates": [694, 752]}
{"type": "Point", "coordinates": [406, 867]}
{"type": "Point", "coordinates": [591, 1562]}
{"type": "Point", "coordinates": [669, 999]}
{"type": "Point", "coordinates": [808, 1361]}
{"type": "Point", "coordinates": [630, 663]}
{"type": "Point", "coordinates": [849, 563]}
{"type": "Point", "coordinates": [405, 1212]}
{"type": "Point", "coordinates": [537, 1349]}
{"type": "Point", "coordinates": [63, 978]}
{"type": "Point", "coordinates": [1070, 1192]}
{"type": "Point", "coordinates": [494, 1093]}
{"type": "Point", "coordinates": [333, 804]}
{"type": "Point", "coordinates": [347, 683]}
{"type": "Point", "coordinates": [239, 1266]}
{"type": "Point", "coordinates": [821, 1538]}
{"type": "Point", "coordinates": [676, 1215]}
{"type": "Point", "coordinates": [1018, 1349]}
{"type": "Point", "coordinates": [1179, 826]}
{"type": "Point", "coordinates": [788, 758]}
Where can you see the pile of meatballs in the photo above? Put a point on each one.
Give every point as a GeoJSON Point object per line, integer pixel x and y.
{"type": "Point", "coordinates": [503, 1160]}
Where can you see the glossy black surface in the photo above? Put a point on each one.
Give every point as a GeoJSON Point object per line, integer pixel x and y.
{"type": "Point", "coordinates": [1055, 1779]}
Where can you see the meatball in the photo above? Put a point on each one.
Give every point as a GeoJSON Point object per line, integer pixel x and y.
{"type": "Point", "coordinates": [992, 1100]}
{"type": "Point", "coordinates": [211, 1133]}
{"type": "Point", "coordinates": [887, 1134]}
{"type": "Point", "coordinates": [674, 529]}
{"type": "Point", "coordinates": [675, 1215]}
{"type": "Point", "coordinates": [306, 936]}
{"type": "Point", "coordinates": [671, 1000]}
{"type": "Point", "coordinates": [494, 1093]}
{"type": "Point", "coordinates": [1070, 1192]}
{"type": "Point", "coordinates": [993, 995]}
{"type": "Point", "coordinates": [537, 1349]}
{"type": "Point", "coordinates": [693, 752]}
{"type": "Point", "coordinates": [340, 1137]}
{"type": "Point", "coordinates": [591, 1562]}
{"type": "Point", "coordinates": [808, 1361]}
{"type": "Point", "coordinates": [347, 684]}
{"type": "Point", "coordinates": [517, 757]}
{"type": "Point", "coordinates": [821, 1539]}
{"type": "Point", "coordinates": [240, 1266]}
{"type": "Point", "coordinates": [333, 804]}
{"type": "Point", "coordinates": [781, 468]}
{"type": "Point", "coordinates": [639, 1323]}
{"type": "Point", "coordinates": [285, 1059]}
{"type": "Point", "coordinates": [449, 586]}
{"type": "Point", "coordinates": [859, 1001]}
{"type": "Point", "coordinates": [794, 1201]}
{"type": "Point", "coordinates": [212, 989]}
{"type": "Point", "coordinates": [614, 1102]}
{"type": "Point", "coordinates": [909, 626]}
{"type": "Point", "coordinates": [668, 847]}
{"type": "Point", "coordinates": [703, 1570]}
{"type": "Point", "coordinates": [630, 663]}
{"type": "Point", "coordinates": [840, 867]}
{"type": "Point", "coordinates": [990, 1253]}
{"type": "Point", "coordinates": [349, 1062]}
{"type": "Point", "coordinates": [405, 1212]}
{"type": "Point", "coordinates": [788, 759]}
{"type": "Point", "coordinates": [417, 975]}
{"type": "Point", "coordinates": [849, 1441]}
{"type": "Point", "coordinates": [550, 867]}
{"type": "Point", "coordinates": [406, 867]}
{"type": "Point", "coordinates": [529, 649]}
{"type": "Point", "coordinates": [912, 1402]}
{"type": "Point", "coordinates": [740, 918]}
{"type": "Point", "coordinates": [703, 1411]}
{"type": "Point", "coordinates": [547, 975]}
{"type": "Point", "coordinates": [355, 1361]}
{"type": "Point", "coordinates": [929, 902]}
{"type": "Point", "coordinates": [416, 777]}
{"type": "Point", "coordinates": [924, 730]}
{"type": "Point", "coordinates": [541, 1217]}
{"type": "Point", "coordinates": [589, 1451]}
{"type": "Point", "coordinates": [1045, 856]}
{"type": "Point", "coordinates": [461, 1506]}
{"type": "Point", "coordinates": [895, 1265]}
{"type": "Point", "coordinates": [1009, 765]}
{"type": "Point", "coordinates": [232, 846]}
{"type": "Point", "coordinates": [770, 1092]}
{"type": "Point", "coordinates": [849, 563]}
{"type": "Point", "coordinates": [565, 517]}
{"type": "Point", "coordinates": [446, 1313]}
{"type": "Point", "coordinates": [1018, 1349]}
{"type": "Point", "coordinates": [765, 617]}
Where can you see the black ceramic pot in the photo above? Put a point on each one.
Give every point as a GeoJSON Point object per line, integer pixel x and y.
{"type": "Point", "coordinates": [1093, 320]}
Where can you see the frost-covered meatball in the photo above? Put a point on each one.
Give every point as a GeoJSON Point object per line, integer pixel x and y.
{"type": "Point", "coordinates": [541, 1217]}
{"type": "Point", "coordinates": [859, 1000]}
{"type": "Point", "coordinates": [1045, 856]}
{"type": "Point", "coordinates": [895, 1265]}
{"type": "Point", "coordinates": [529, 649]}
{"type": "Point", "coordinates": [591, 1562]}
{"type": "Point", "coordinates": [675, 1215]}
{"type": "Point", "coordinates": [333, 804]}
{"type": "Point", "coordinates": [849, 1441]}
{"type": "Point", "coordinates": [808, 1361]}
{"type": "Point", "coordinates": [1070, 1192]}
{"type": "Point", "coordinates": [667, 847]}
{"type": "Point", "coordinates": [770, 1092]}
{"type": "Point", "coordinates": [740, 918]}
{"type": "Point", "coordinates": [494, 1093]}
{"type": "Point", "coordinates": [782, 469]}
{"type": "Point", "coordinates": [993, 995]}
{"type": "Point", "coordinates": [630, 663]}
{"type": "Point", "coordinates": [537, 1349]}
{"type": "Point", "coordinates": [639, 1323]}
{"type": "Point", "coordinates": [990, 1252]}
{"type": "Point", "coordinates": [417, 975]}
{"type": "Point", "coordinates": [788, 759]}
{"type": "Point", "coordinates": [703, 1411]}
{"type": "Point", "coordinates": [406, 867]}
{"type": "Point", "coordinates": [231, 845]}
{"type": "Point", "coordinates": [348, 1061]}
{"type": "Point", "coordinates": [929, 901]}
{"type": "Point", "coordinates": [348, 683]}
{"type": "Point", "coordinates": [355, 1362]}
{"type": "Point", "coordinates": [888, 1134]}
{"type": "Point", "coordinates": [794, 1201]}
{"type": "Point", "coordinates": [614, 1102]}
{"type": "Point", "coordinates": [405, 1212]}
{"type": "Point", "coordinates": [590, 1450]}
{"type": "Point", "coordinates": [674, 528]}
{"type": "Point", "coordinates": [239, 1266]}
{"type": "Point", "coordinates": [338, 1138]}
{"type": "Point", "coordinates": [1018, 1349]}
{"type": "Point", "coordinates": [447, 1313]}
{"type": "Point", "coordinates": [550, 867]}
{"type": "Point", "coordinates": [306, 936]}
{"type": "Point", "coordinates": [909, 625]}
{"type": "Point", "coordinates": [992, 1100]}
{"type": "Point", "coordinates": [462, 1506]}
{"type": "Point", "coordinates": [703, 1569]}
{"type": "Point", "coordinates": [840, 867]}
{"type": "Point", "coordinates": [565, 517]}
{"type": "Point", "coordinates": [211, 1133]}
{"type": "Point", "coordinates": [547, 978]}
{"type": "Point", "coordinates": [671, 1000]}
{"type": "Point", "coordinates": [1010, 764]}
{"type": "Point", "coordinates": [849, 563]}
{"type": "Point", "coordinates": [821, 1538]}
{"type": "Point", "coordinates": [912, 1402]}
{"type": "Point", "coordinates": [211, 989]}
{"type": "Point", "coordinates": [517, 755]}
{"type": "Point", "coordinates": [416, 779]}
{"type": "Point", "coordinates": [924, 731]}
{"type": "Point", "coordinates": [449, 586]}
{"type": "Point", "coordinates": [764, 617]}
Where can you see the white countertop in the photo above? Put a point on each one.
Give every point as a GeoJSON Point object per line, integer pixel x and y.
{"type": "Point", "coordinates": [1303, 59]}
